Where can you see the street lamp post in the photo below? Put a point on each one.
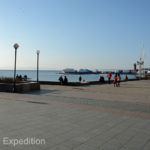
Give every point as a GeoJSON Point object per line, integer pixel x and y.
{"type": "Point", "coordinates": [140, 63]}
{"type": "Point", "coordinates": [16, 46]}
{"type": "Point", "coordinates": [37, 52]}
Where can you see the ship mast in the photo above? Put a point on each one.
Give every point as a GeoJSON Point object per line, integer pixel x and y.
{"type": "Point", "coordinates": [140, 63]}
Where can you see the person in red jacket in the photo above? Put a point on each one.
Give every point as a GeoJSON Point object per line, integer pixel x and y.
{"type": "Point", "coordinates": [115, 80]}
{"type": "Point", "coordinates": [109, 77]}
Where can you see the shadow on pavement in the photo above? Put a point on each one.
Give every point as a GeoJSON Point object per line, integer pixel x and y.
{"type": "Point", "coordinates": [43, 91]}
{"type": "Point", "coordinates": [133, 87]}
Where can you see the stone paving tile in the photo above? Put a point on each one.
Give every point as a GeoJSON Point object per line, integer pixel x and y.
{"type": "Point", "coordinates": [110, 147]}
{"type": "Point", "coordinates": [58, 147]}
{"type": "Point", "coordinates": [85, 147]}
{"type": "Point", "coordinates": [71, 144]}
{"type": "Point", "coordinates": [147, 145]}
{"type": "Point", "coordinates": [136, 143]}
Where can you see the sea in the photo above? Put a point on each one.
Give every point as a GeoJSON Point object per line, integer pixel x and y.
{"type": "Point", "coordinates": [53, 75]}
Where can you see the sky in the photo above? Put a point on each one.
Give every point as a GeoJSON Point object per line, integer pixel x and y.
{"type": "Point", "coordinates": [93, 34]}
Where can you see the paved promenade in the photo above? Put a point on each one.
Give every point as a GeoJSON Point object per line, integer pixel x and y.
{"type": "Point", "coordinates": [96, 117]}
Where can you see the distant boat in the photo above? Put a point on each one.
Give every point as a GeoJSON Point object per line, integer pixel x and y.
{"type": "Point", "coordinates": [85, 71]}
{"type": "Point", "coordinates": [80, 71]}
{"type": "Point", "coordinates": [69, 70]}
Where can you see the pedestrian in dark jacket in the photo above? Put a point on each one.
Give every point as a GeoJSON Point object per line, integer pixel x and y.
{"type": "Point", "coordinates": [80, 79]}
{"type": "Point", "coordinates": [61, 80]}
{"type": "Point", "coordinates": [65, 80]}
{"type": "Point", "coordinates": [101, 79]}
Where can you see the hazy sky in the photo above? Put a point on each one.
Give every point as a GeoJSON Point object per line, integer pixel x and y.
{"type": "Point", "coordinates": [94, 34]}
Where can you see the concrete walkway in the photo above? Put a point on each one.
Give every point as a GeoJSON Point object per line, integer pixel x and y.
{"type": "Point", "coordinates": [98, 117]}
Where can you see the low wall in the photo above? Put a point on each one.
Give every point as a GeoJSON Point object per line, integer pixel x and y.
{"type": "Point", "coordinates": [20, 87]}
{"type": "Point", "coordinates": [82, 83]}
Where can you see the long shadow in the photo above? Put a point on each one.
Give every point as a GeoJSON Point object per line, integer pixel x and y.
{"type": "Point", "coordinates": [133, 87]}
{"type": "Point", "coordinates": [42, 91]}
{"type": "Point", "coordinates": [33, 102]}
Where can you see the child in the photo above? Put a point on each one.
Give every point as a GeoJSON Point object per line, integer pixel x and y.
{"type": "Point", "coordinates": [115, 80]}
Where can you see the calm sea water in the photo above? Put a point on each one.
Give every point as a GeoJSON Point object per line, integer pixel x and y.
{"type": "Point", "coordinates": [53, 75]}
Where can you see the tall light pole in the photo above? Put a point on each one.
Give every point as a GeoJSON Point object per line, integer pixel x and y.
{"type": "Point", "coordinates": [37, 52]}
{"type": "Point", "coordinates": [140, 63]}
{"type": "Point", "coordinates": [16, 46]}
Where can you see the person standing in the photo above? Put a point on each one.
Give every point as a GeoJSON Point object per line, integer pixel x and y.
{"type": "Point", "coordinates": [115, 80]}
{"type": "Point", "coordinates": [118, 79]}
{"type": "Point", "coordinates": [109, 75]}
{"type": "Point", "coordinates": [61, 80]}
{"type": "Point", "coordinates": [80, 79]}
{"type": "Point", "coordinates": [126, 78]}
{"type": "Point", "coordinates": [65, 80]}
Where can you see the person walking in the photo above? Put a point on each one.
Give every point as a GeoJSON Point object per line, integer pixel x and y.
{"type": "Point", "coordinates": [115, 80]}
{"type": "Point", "coordinates": [118, 79]}
{"type": "Point", "coordinates": [109, 75]}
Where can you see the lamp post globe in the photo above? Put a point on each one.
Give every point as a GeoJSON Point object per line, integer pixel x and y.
{"type": "Point", "coordinates": [38, 52]}
{"type": "Point", "coordinates": [16, 46]}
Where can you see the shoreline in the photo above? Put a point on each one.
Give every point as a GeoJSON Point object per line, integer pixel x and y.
{"type": "Point", "coordinates": [86, 83]}
{"type": "Point", "coordinates": [86, 73]}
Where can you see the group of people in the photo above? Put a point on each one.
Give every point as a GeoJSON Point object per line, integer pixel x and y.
{"type": "Point", "coordinates": [19, 77]}
{"type": "Point", "coordinates": [116, 80]}
{"type": "Point", "coordinates": [63, 81]}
